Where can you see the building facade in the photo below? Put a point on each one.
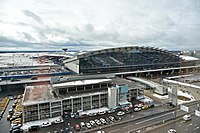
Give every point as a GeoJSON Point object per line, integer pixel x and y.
{"type": "Point", "coordinates": [72, 96]}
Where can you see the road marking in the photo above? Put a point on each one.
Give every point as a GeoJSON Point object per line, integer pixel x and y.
{"type": "Point", "coordinates": [114, 130]}
{"type": "Point", "coordinates": [152, 118]}
{"type": "Point", "coordinates": [179, 125]}
{"type": "Point", "coordinates": [189, 125]}
{"type": "Point", "coordinates": [196, 128]}
{"type": "Point", "coordinates": [182, 122]}
{"type": "Point", "coordinates": [125, 126]}
{"type": "Point", "coordinates": [186, 129]}
{"type": "Point", "coordinates": [195, 125]}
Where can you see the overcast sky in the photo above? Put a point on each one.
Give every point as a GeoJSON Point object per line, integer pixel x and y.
{"type": "Point", "coordinates": [95, 24]}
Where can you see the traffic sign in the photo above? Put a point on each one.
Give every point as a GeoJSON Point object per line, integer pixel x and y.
{"type": "Point", "coordinates": [197, 113]}
{"type": "Point", "coordinates": [184, 108]}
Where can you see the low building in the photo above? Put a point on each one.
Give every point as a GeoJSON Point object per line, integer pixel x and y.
{"type": "Point", "coordinates": [76, 94]}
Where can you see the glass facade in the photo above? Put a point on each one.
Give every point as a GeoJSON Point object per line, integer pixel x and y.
{"type": "Point", "coordinates": [127, 60]}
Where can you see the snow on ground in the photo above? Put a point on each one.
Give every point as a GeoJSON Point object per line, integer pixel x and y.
{"type": "Point", "coordinates": [160, 96]}
{"type": "Point", "coordinates": [179, 93]}
{"type": "Point", "coordinates": [145, 99]}
{"type": "Point", "coordinates": [94, 111]}
{"type": "Point", "coordinates": [190, 58]}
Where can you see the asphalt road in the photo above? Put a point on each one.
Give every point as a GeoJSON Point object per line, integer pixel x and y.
{"type": "Point", "coordinates": [145, 122]}
{"type": "Point", "coordinates": [181, 126]}
{"type": "Point", "coordinates": [4, 124]}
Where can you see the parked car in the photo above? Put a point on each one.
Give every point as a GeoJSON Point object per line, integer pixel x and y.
{"type": "Point", "coordinates": [101, 112]}
{"type": "Point", "coordinates": [151, 106]}
{"type": "Point", "coordinates": [83, 115]}
{"type": "Point", "coordinates": [77, 127]}
{"type": "Point", "coordinates": [120, 113]}
{"type": "Point", "coordinates": [92, 114]}
{"type": "Point", "coordinates": [34, 128]}
{"type": "Point", "coordinates": [137, 109]}
{"type": "Point", "coordinates": [92, 123]}
{"type": "Point", "coordinates": [103, 121]}
{"type": "Point", "coordinates": [59, 120]}
{"type": "Point", "coordinates": [97, 122]}
{"type": "Point", "coordinates": [171, 130]}
{"type": "Point", "coordinates": [112, 118]}
{"type": "Point", "coordinates": [111, 111]}
{"type": "Point", "coordinates": [82, 125]}
{"type": "Point", "coordinates": [46, 124]}
{"type": "Point", "coordinates": [15, 127]}
{"type": "Point", "coordinates": [17, 131]}
{"type": "Point", "coordinates": [145, 107]}
{"type": "Point", "coordinates": [88, 125]}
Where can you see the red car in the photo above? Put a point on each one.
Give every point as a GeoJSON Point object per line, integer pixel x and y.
{"type": "Point", "coordinates": [77, 127]}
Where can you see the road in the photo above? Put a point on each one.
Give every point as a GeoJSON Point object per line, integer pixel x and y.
{"type": "Point", "coordinates": [145, 122]}
{"type": "Point", "coordinates": [181, 126]}
{"type": "Point", "coordinates": [4, 124]}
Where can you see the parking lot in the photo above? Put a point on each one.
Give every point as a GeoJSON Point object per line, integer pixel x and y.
{"type": "Point", "coordinates": [97, 121]}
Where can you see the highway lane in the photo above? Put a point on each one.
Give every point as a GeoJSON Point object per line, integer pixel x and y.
{"type": "Point", "coordinates": [181, 126]}
{"type": "Point", "coordinates": [146, 122]}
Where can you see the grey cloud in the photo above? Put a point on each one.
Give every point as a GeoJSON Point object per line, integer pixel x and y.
{"type": "Point", "coordinates": [32, 15]}
{"type": "Point", "coordinates": [28, 36]}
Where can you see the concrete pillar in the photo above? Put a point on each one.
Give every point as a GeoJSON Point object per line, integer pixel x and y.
{"type": "Point", "coordinates": [172, 71]}
{"type": "Point", "coordinates": [91, 102]}
{"type": "Point", "coordinates": [50, 109]}
{"type": "Point", "coordinates": [99, 100]}
{"type": "Point", "coordinates": [72, 106]}
{"type": "Point", "coordinates": [38, 112]}
{"type": "Point", "coordinates": [81, 103]}
{"type": "Point", "coordinates": [61, 107]}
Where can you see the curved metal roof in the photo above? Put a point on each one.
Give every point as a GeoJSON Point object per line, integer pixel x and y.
{"type": "Point", "coordinates": [120, 49]}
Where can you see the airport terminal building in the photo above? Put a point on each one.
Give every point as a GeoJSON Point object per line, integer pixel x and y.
{"type": "Point", "coordinates": [124, 59]}
{"type": "Point", "coordinates": [77, 94]}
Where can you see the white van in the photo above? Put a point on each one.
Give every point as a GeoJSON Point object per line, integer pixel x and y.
{"type": "Point", "coordinates": [187, 117]}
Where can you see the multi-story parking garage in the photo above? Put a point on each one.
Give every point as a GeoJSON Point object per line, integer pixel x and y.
{"type": "Point", "coordinates": [76, 94]}
{"type": "Point", "coordinates": [124, 59]}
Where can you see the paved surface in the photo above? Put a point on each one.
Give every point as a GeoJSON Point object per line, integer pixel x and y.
{"type": "Point", "coordinates": [181, 126]}
{"type": "Point", "coordinates": [4, 124]}
{"type": "Point", "coordinates": [145, 122]}
{"type": "Point", "coordinates": [72, 122]}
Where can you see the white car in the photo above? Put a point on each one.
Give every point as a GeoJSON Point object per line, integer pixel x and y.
{"type": "Point", "coordinates": [103, 120]}
{"type": "Point", "coordinates": [111, 111]}
{"type": "Point", "coordinates": [102, 112]}
{"type": "Point", "coordinates": [112, 118]}
{"type": "Point", "coordinates": [137, 109]}
{"type": "Point", "coordinates": [92, 123]}
{"type": "Point", "coordinates": [120, 113]}
{"type": "Point", "coordinates": [88, 125]}
{"type": "Point", "coordinates": [171, 130]}
{"type": "Point", "coordinates": [46, 124]}
{"type": "Point", "coordinates": [82, 124]}
{"type": "Point", "coordinates": [187, 117]}
{"type": "Point", "coordinates": [59, 120]}
{"type": "Point", "coordinates": [97, 122]}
